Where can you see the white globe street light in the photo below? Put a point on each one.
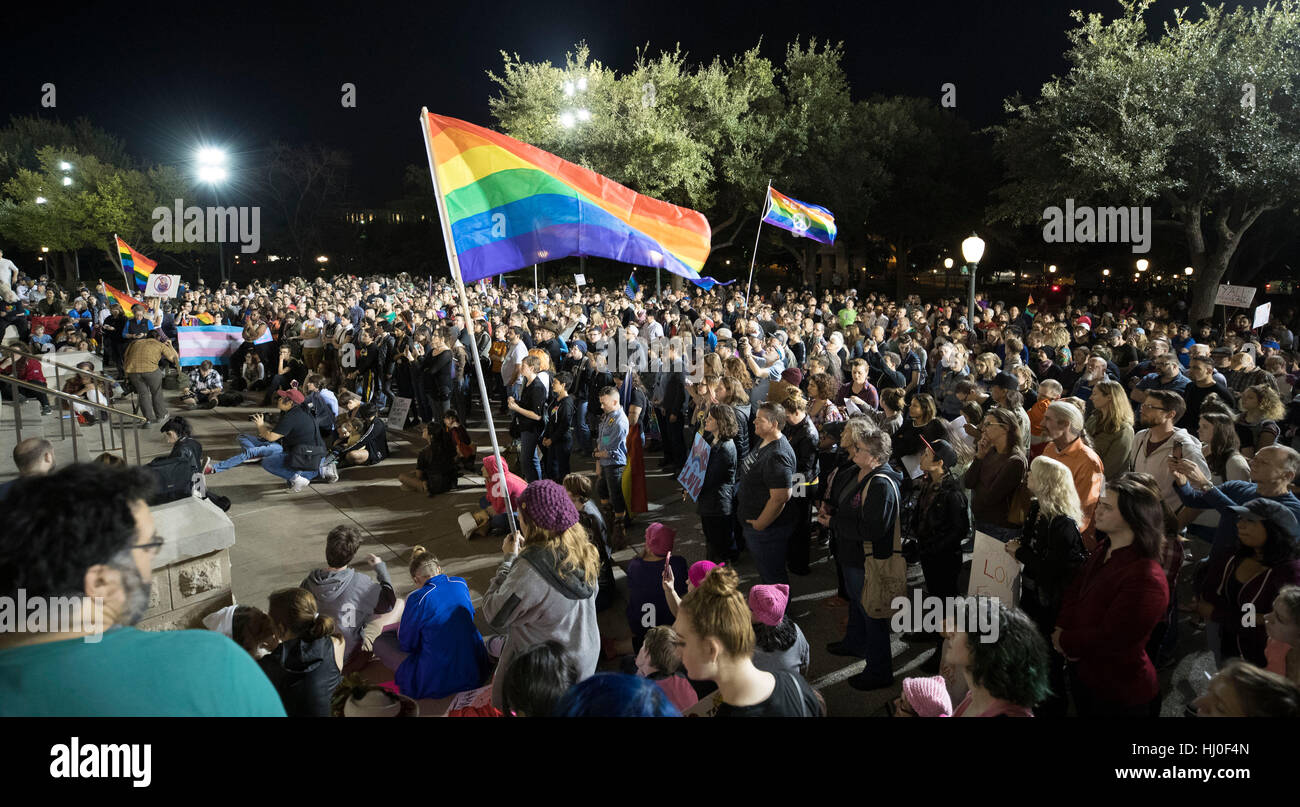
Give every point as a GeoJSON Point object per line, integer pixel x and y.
{"type": "Point", "coordinates": [947, 263]}
{"type": "Point", "coordinates": [567, 120]}
{"type": "Point", "coordinates": [972, 249]}
{"type": "Point", "coordinates": [1142, 264]}
{"type": "Point", "coordinates": [67, 181]}
{"type": "Point", "coordinates": [1052, 268]}
{"type": "Point", "coordinates": [1188, 271]}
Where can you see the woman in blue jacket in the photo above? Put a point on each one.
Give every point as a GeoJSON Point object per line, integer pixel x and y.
{"type": "Point", "coordinates": [437, 651]}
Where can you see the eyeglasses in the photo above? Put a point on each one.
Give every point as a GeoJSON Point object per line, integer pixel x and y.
{"type": "Point", "coordinates": [153, 547]}
{"type": "Point", "coordinates": [1154, 408]}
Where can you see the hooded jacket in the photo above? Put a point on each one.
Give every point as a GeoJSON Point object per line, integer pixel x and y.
{"type": "Point", "coordinates": [305, 674]}
{"type": "Point", "coordinates": [351, 598]}
{"type": "Point", "coordinates": [514, 485]}
{"type": "Point", "coordinates": [532, 600]}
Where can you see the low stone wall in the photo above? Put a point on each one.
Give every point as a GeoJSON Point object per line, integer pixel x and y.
{"type": "Point", "coordinates": [191, 575]}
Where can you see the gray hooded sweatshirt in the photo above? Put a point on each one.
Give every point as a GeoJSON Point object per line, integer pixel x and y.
{"type": "Point", "coordinates": [351, 598]}
{"type": "Point", "coordinates": [532, 601]}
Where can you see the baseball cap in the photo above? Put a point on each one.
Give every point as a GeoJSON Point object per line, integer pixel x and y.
{"type": "Point", "coordinates": [293, 395]}
{"type": "Point", "coordinates": [1271, 512]}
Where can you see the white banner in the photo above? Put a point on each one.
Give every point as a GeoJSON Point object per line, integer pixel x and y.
{"type": "Point", "coordinates": [581, 280]}
{"type": "Point", "coordinates": [1235, 296]}
{"type": "Point", "coordinates": [162, 285]}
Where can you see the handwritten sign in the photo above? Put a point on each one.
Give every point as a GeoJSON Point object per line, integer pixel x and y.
{"type": "Point", "coordinates": [581, 280]}
{"type": "Point", "coordinates": [397, 415]}
{"type": "Point", "coordinates": [993, 573]}
{"type": "Point", "coordinates": [1262, 314]}
{"type": "Point", "coordinates": [1235, 296]}
{"type": "Point", "coordinates": [692, 475]}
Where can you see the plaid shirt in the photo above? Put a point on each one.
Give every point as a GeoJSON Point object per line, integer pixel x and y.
{"type": "Point", "coordinates": [205, 382]}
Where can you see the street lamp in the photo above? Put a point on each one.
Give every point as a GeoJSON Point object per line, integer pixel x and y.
{"type": "Point", "coordinates": [67, 181]}
{"type": "Point", "coordinates": [1052, 268]}
{"type": "Point", "coordinates": [972, 249]}
{"type": "Point", "coordinates": [1142, 264]}
{"type": "Point", "coordinates": [322, 259]}
{"type": "Point", "coordinates": [212, 171]}
{"type": "Point", "coordinates": [1188, 271]}
{"type": "Point", "coordinates": [947, 263]}
{"type": "Point", "coordinates": [64, 165]}
{"type": "Point", "coordinates": [1105, 273]}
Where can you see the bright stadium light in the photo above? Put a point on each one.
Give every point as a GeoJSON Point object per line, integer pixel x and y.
{"type": "Point", "coordinates": [211, 156]}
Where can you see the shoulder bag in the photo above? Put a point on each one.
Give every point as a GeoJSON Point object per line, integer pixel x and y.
{"type": "Point", "coordinates": [886, 578]}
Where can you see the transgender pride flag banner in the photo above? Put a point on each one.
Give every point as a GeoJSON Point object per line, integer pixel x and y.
{"type": "Point", "coordinates": [214, 343]}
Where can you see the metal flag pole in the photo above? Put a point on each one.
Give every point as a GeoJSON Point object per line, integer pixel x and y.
{"type": "Point", "coordinates": [536, 294]}
{"type": "Point", "coordinates": [767, 197]}
{"type": "Point", "coordinates": [120, 264]}
{"type": "Point", "coordinates": [453, 261]}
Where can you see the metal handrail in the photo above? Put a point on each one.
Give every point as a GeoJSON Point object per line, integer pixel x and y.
{"type": "Point", "coordinates": [121, 414]}
{"type": "Point", "coordinates": [41, 358]}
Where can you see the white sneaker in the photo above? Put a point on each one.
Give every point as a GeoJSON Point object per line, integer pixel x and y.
{"type": "Point", "coordinates": [299, 483]}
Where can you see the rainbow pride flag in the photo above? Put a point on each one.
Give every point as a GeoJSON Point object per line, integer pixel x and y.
{"type": "Point", "coordinates": [510, 205]}
{"type": "Point", "coordinates": [123, 299]}
{"type": "Point", "coordinates": [798, 217]}
{"type": "Point", "coordinates": [134, 262]}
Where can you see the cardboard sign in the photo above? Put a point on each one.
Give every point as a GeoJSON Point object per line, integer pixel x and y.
{"type": "Point", "coordinates": [397, 415]}
{"type": "Point", "coordinates": [1261, 315]}
{"type": "Point", "coordinates": [581, 280]}
{"type": "Point", "coordinates": [1235, 296]}
{"type": "Point", "coordinates": [162, 286]}
{"type": "Point", "coordinates": [706, 706]}
{"type": "Point", "coordinates": [993, 573]}
{"type": "Point", "coordinates": [692, 475]}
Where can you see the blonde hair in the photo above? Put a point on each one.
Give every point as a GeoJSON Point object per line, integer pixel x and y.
{"type": "Point", "coordinates": [1270, 403]}
{"type": "Point", "coordinates": [1053, 485]}
{"type": "Point", "coordinates": [424, 564]}
{"type": "Point", "coordinates": [573, 550]}
{"type": "Point", "coordinates": [719, 611]}
{"type": "Point", "coordinates": [1120, 413]}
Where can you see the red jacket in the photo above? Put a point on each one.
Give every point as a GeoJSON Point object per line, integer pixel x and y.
{"type": "Point", "coordinates": [1107, 616]}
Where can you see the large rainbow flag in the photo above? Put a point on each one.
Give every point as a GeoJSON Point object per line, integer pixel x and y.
{"type": "Point", "coordinates": [134, 262]}
{"type": "Point", "coordinates": [800, 218]}
{"type": "Point", "coordinates": [510, 205]}
{"type": "Point", "coordinates": [123, 299]}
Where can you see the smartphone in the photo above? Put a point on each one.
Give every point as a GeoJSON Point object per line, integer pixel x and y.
{"type": "Point", "coordinates": [1177, 451]}
{"type": "Point", "coordinates": [668, 558]}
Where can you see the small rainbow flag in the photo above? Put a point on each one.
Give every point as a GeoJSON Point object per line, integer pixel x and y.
{"type": "Point", "coordinates": [134, 262]}
{"type": "Point", "coordinates": [510, 205]}
{"type": "Point", "coordinates": [632, 286]}
{"type": "Point", "coordinates": [798, 217]}
{"type": "Point", "coordinates": [123, 299]}
{"type": "Point", "coordinates": [206, 318]}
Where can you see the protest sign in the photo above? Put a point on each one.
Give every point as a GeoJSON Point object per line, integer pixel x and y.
{"type": "Point", "coordinates": [993, 573]}
{"type": "Point", "coordinates": [581, 280]}
{"type": "Point", "coordinates": [162, 286]}
{"type": "Point", "coordinates": [1235, 296]}
{"type": "Point", "coordinates": [1261, 315]}
{"type": "Point", "coordinates": [692, 475]}
{"type": "Point", "coordinates": [397, 415]}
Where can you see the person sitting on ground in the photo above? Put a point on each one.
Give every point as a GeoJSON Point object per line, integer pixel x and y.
{"type": "Point", "coordinates": [362, 440]}
{"type": "Point", "coordinates": [717, 636]}
{"type": "Point", "coordinates": [83, 386]}
{"type": "Point", "coordinates": [466, 451]}
{"type": "Point", "coordinates": [780, 644]}
{"type": "Point", "coordinates": [1004, 665]}
{"type": "Point", "coordinates": [660, 661]}
{"type": "Point", "coordinates": [301, 449]}
{"type": "Point", "coordinates": [502, 490]}
{"type": "Point", "coordinates": [34, 456]}
{"type": "Point", "coordinates": [615, 695]}
{"type": "Point", "coordinates": [41, 341]}
{"type": "Point", "coordinates": [1283, 626]}
{"type": "Point", "coordinates": [247, 626]}
{"type": "Point", "coordinates": [85, 532]}
{"type": "Point", "coordinates": [546, 585]}
{"type": "Point", "coordinates": [306, 666]}
{"type": "Point", "coordinates": [28, 370]}
{"type": "Point", "coordinates": [205, 386]}
{"type": "Point", "coordinates": [646, 605]}
{"type": "Point", "coordinates": [1244, 690]}
{"type": "Point", "coordinates": [178, 434]}
{"type": "Point", "coordinates": [252, 376]}
{"type": "Point", "coordinates": [362, 607]}
{"type": "Point", "coordinates": [581, 489]}
{"type": "Point", "coordinates": [435, 466]}
{"type": "Point", "coordinates": [537, 679]}
{"type": "Point", "coordinates": [436, 650]}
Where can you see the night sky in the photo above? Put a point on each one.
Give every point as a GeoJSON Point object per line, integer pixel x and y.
{"type": "Point", "coordinates": [165, 76]}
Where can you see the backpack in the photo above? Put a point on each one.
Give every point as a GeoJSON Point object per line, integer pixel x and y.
{"type": "Point", "coordinates": [175, 479]}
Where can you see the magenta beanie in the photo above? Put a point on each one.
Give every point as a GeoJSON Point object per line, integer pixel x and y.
{"type": "Point", "coordinates": [659, 538]}
{"type": "Point", "coordinates": [767, 603]}
{"type": "Point", "coordinates": [548, 506]}
{"type": "Point", "coordinates": [700, 570]}
{"type": "Point", "coordinates": [928, 697]}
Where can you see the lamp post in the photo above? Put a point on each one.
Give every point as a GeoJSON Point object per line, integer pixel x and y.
{"type": "Point", "coordinates": [574, 89]}
{"type": "Point", "coordinates": [972, 249]}
{"type": "Point", "coordinates": [212, 170]}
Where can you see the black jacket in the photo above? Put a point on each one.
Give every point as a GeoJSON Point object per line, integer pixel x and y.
{"type": "Point", "coordinates": [803, 439]}
{"type": "Point", "coordinates": [744, 418]}
{"type": "Point", "coordinates": [438, 372]}
{"type": "Point", "coordinates": [941, 520]}
{"type": "Point", "coordinates": [718, 494]}
{"type": "Point", "coordinates": [872, 521]}
{"type": "Point", "coordinates": [1053, 553]}
{"type": "Point", "coordinates": [305, 674]}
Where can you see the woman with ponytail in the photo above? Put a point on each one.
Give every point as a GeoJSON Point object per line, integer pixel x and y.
{"type": "Point", "coordinates": [717, 634]}
{"type": "Point", "coordinates": [305, 667]}
{"type": "Point", "coordinates": [546, 586]}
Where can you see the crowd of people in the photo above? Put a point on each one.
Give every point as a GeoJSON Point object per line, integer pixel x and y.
{"type": "Point", "coordinates": [1119, 452]}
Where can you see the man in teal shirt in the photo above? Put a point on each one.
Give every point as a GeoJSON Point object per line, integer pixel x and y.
{"type": "Point", "coordinates": [78, 549]}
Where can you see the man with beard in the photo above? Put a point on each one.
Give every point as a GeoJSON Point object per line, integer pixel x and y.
{"type": "Point", "coordinates": [82, 542]}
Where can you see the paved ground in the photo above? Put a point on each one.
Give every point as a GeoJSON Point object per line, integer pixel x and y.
{"type": "Point", "coordinates": [280, 538]}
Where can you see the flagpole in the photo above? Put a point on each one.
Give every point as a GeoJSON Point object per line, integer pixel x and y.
{"type": "Point", "coordinates": [767, 196]}
{"type": "Point", "coordinates": [454, 261]}
{"type": "Point", "coordinates": [119, 262]}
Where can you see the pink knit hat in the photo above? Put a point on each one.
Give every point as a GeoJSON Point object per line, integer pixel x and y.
{"type": "Point", "coordinates": [659, 538]}
{"type": "Point", "coordinates": [767, 603]}
{"type": "Point", "coordinates": [700, 570]}
{"type": "Point", "coordinates": [548, 506]}
{"type": "Point", "coordinates": [928, 697]}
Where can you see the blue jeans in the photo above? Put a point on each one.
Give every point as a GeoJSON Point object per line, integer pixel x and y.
{"type": "Point", "coordinates": [530, 455]}
{"type": "Point", "coordinates": [557, 459]}
{"type": "Point", "coordinates": [253, 446]}
{"type": "Point", "coordinates": [866, 636]}
{"type": "Point", "coordinates": [497, 522]}
{"type": "Point", "coordinates": [278, 464]}
{"type": "Point", "coordinates": [770, 547]}
{"type": "Point", "coordinates": [581, 431]}
{"type": "Point", "coordinates": [610, 487]}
